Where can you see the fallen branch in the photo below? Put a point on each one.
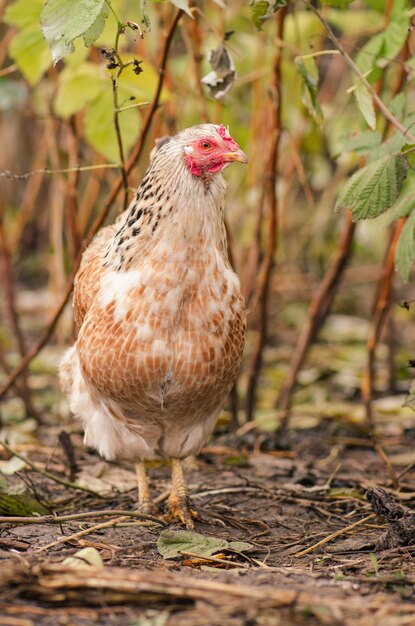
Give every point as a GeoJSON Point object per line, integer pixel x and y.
{"type": "Point", "coordinates": [58, 519]}
{"type": "Point", "coordinates": [329, 538]}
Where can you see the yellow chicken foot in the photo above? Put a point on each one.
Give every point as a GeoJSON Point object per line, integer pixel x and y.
{"type": "Point", "coordinates": [178, 505]}
{"type": "Point", "coordinates": [145, 505]}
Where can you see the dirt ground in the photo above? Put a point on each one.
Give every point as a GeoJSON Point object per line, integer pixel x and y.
{"type": "Point", "coordinates": [283, 502]}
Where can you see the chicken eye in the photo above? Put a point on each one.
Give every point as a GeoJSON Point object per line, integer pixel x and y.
{"type": "Point", "coordinates": [205, 145]}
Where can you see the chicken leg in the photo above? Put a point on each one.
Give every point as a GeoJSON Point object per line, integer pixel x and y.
{"type": "Point", "coordinates": [145, 504]}
{"type": "Point", "coordinates": [178, 505]}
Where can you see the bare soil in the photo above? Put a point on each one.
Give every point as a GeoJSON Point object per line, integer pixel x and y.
{"type": "Point", "coordinates": [282, 501]}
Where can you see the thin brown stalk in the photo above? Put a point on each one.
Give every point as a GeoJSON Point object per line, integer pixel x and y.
{"type": "Point", "coordinates": [8, 283]}
{"type": "Point", "coordinates": [150, 112]}
{"type": "Point", "coordinates": [71, 193]}
{"type": "Point", "coordinates": [192, 39]}
{"type": "Point", "coordinates": [327, 290]}
{"type": "Point", "coordinates": [58, 519]}
{"type": "Point", "coordinates": [332, 536]}
{"type": "Point", "coordinates": [270, 201]}
{"type": "Point", "coordinates": [384, 292]}
{"type": "Point", "coordinates": [30, 197]}
{"type": "Point", "coordinates": [319, 308]}
{"type": "Point", "coordinates": [82, 533]}
{"type": "Point", "coordinates": [379, 318]}
{"type": "Point", "coordinates": [116, 118]}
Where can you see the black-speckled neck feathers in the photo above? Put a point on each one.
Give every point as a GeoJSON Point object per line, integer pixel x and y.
{"type": "Point", "coordinates": [173, 205]}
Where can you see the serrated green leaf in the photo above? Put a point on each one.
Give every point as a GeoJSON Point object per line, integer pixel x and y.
{"type": "Point", "coordinates": [338, 4]}
{"type": "Point", "coordinates": [405, 250]}
{"type": "Point", "coordinates": [395, 36]}
{"type": "Point", "coordinates": [309, 75]}
{"type": "Point", "coordinates": [398, 105]}
{"type": "Point", "coordinates": [369, 53]}
{"type": "Point", "coordinates": [405, 204]}
{"type": "Point", "coordinates": [95, 30]}
{"type": "Point", "coordinates": [374, 188]}
{"type": "Point", "coordinates": [261, 10]}
{"type": "Point", "coordinates": [392, 145]}
{"type": "Point", "coordinates": [64, 20]}
{"type": "Point", "coordinates": [76, 87]}
{"type": "Point", "coordinates": [99, 126]}
{"type": "Point", "coordinates": [363, 142]}
{"type": "Point", "coordinates": [240, 546]}
{"type": "Point", "coordinates": [365, 103]}
{"type": "Point", "coordinates": [30, 53]}
{"type": "Point", "coordinates": [172, 543]}
{"type": "Point", "coordinates": [383, 47]}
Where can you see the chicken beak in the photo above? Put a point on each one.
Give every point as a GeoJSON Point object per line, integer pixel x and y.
{"type": "Point", "coordinates": [238, 155]}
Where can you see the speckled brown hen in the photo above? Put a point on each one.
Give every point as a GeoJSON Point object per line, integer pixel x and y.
{"type": "Point", "coordinates": [160, 316]}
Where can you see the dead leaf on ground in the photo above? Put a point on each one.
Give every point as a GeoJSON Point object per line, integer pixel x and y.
{"type": "Point", "coordinates": [173, 543]}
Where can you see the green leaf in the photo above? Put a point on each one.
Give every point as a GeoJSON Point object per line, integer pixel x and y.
{"type": "Point", "coordinates": [395, 36]}
{"type": "Point", "coordinates": [76, 87]}
{"type": "Point", "coordinates": [398, 105]}
{"type": "Point", "coordinates": [30, 53]}
{"type": "Point", "coordinates": [366, 59]}
{"type": "Point", "coordinates": [261, 10]}
{"type": "Point", "coordinates": [172, 543]}
{"type": "Point", "coordinates": [143, 86]}
{"type": "Point", "coordinates": [382, 48]}
{"type": "Point", "coordinates": [28, 49]}
{"type": "Point", "coordinates": [64, 20]}
{"type": "Point", "coordinates": [99, 126]}
{"type": "Point", "coordinates": [392, 145]}
{"type": "Point", "coordinates": [405, 250]}
{"type": "Point", "coordinates": [309, 75]}
{"type": "Point", "coordinates": [183, 5]}
{"type": "Point", "coordinates": [399, 7]}
{"type": "Point", "coordinates": [365, 104]}
{"type": "Point", "coordinates": [405, 204]}
{"type": "Point", "coordinates": [23, 13]}
{"type": "Point", "coordinates": [363, 142]}
{"type": "Point", "coordinates": [409, 148]}
{"type": "Point", "coordinates": [240, 546]}
{"type": "Point", "coordinates": [94, 31]}
{"type": "Point", "coordinates": [374, 188]}
{"type": "Point", "coordinates": [339, 4]}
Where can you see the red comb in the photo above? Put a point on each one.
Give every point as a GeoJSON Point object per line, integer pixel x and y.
{"type": "Point", "coordinates": [222, 131]}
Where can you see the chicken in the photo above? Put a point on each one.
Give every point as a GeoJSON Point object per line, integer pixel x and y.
{"type": "Point", "coordinates": [160, 316]}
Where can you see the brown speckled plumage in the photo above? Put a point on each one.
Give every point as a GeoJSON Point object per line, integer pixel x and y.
{"type": "Point", "coordinates": [160, 316]}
